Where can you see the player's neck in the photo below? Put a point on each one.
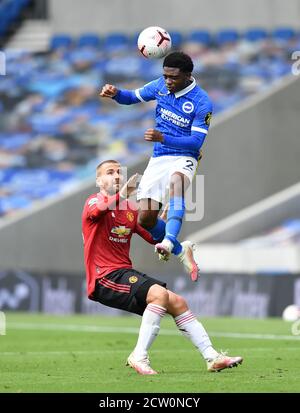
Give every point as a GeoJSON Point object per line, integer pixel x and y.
{"type": "Point", "coordinates": [106, 193]}
{"type": "Point", "coordinates": [187, 83]}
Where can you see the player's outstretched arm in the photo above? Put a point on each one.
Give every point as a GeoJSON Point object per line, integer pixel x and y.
{"type": "Point", "coordinates": [122, 96]}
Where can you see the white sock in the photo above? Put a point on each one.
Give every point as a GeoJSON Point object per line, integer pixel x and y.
{"type": "Point", "coordinates": [192, 329]}
{"type": "Point", "coordinates": [149, 329]}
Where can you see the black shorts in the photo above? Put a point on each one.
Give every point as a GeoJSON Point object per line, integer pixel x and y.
{"type": "Point", "coordinates": [125, 289]}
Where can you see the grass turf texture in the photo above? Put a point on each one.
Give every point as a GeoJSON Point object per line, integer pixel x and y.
{"type": "Point", "coordinates": [42, 353]}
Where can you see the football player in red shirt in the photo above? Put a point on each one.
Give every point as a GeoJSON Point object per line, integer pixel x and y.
{"type": "Point", "coordinates": [109, 219]}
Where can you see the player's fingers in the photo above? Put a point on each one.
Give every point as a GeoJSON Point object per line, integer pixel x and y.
{"type": "Point", "coordinates": [148, 134]}
{"type": "Point", "coordinates": [132, 180]}
{"type": "Point", "coordinates": [104, 92]}
{"type": "Point", "coordinates": [112, 90]}
{"type": "Point", "coordinates": [106, 89]}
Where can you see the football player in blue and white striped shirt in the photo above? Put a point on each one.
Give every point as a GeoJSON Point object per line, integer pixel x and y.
{"type": "Point", "coordinates": [183, 114]}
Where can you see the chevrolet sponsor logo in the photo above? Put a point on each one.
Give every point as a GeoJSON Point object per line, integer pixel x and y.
{"type": "Point", "coordinates": [121, 230]}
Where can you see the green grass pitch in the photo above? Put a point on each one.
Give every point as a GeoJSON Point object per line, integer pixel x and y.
{"type": "Point", "coordinates": [42, 353]}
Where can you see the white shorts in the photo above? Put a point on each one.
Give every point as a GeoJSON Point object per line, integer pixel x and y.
{"type": "Point", "coordinates": [155, 182]}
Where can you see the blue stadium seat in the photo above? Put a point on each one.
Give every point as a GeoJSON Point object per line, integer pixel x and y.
{"type": "Point", "coordinates": [177, 38]}
{"type": "Point", "coordinates": [89, 40]}
{"type": "Point", "coordinates": [256, 34]}
{"type": "Point", "coordinates": [60, 40]}
{"type": "Point", "coordinates": [200, 36]}
{"type": "Point", "coordinates": [283, 33]}
{"type": "Point", "coordinates": [116, 41]}
{"type": "Point", "coordinates": [226, 36]}
{"type": "Point", "coordinates": [83, 55]}
{"type": "Point", "coordinates": [13, 141]}
{"type": "Point", "coordinates": [14, 202]}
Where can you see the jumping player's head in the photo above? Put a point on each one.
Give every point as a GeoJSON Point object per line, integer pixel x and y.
{"type": "Point", "coordinates": [109, 176]}
{"type": "Point", "coordinates": [178, 68]}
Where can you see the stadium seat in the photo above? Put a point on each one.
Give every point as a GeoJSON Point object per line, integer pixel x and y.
{"type": "Point", "coordinates": [255, 34]}
{"type": "Point", "coordinates": [200, 36]}
{"type": "Point", "coordinates": [60, 40]}
{"type": "Point", "coordinates": [10, 11]}
{"type": "Point", "coordinates": [116, 41]}
{"type": "Point", "coordinates": [14, 202]}
{"type": "Point", "coordinates": [177, 38]}
{"type": "Point", "coordinates": [283, 33]}
{"type": "Point", "coordinates": [13, 141]}
{"type": "Point", "coordinates": [226, 36]}
{"type": "Point", "coordinates": [89, 40]}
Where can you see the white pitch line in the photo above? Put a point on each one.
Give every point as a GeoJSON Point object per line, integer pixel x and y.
{"type": "Point", "coordinates": [133, 330]}
{"type": "Point", "coordinates": [114, 351]}
{"type": "Point", "coordinates": [56, 353]}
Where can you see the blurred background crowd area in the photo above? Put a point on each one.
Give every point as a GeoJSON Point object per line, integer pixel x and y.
{"type": "Point", "coordinates": [54, 129]}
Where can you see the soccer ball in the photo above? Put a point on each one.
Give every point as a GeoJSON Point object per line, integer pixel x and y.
{"type": "Point", "coordinates": [291, 313]}
{"type": "Point", "coordinates": [154, 42]}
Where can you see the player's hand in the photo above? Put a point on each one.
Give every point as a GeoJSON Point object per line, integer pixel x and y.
{"type": "Point", "coordinates": [153, 135]}
{"type": "Point", "coordinates": [108, 91]}
{"type": "Point", "coordinates": [164, 214]}
{"type": "Point", "coordinates": [130, 187]}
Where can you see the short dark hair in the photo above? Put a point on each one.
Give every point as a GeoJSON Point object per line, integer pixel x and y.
{"type": "Point", "coordinates": [180, 60]}
{"type": "Point", "coordinates": [104, 162]}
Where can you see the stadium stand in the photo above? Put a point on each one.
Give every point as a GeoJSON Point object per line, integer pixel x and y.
{"type": "Point", "coordinates": [10, 11]}
{"type": "Point", "coordinates": [54, 128]}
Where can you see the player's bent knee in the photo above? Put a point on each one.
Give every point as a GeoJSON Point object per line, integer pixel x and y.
{"type": "Point", "coordinates": [181, 303]}
{"type": "Point", "coordinates": [157, 295]}
{"type": "Point", "coordinates": [177, 178]}
{"type": "Point", "coordinates": [177, 304]}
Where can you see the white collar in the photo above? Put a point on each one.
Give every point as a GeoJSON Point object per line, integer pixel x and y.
{"type": "Point", "coordinates": [186, 89]}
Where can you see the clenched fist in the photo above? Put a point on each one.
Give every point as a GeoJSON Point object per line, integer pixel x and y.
{"type": "Point", "coordinates": [108, 91]}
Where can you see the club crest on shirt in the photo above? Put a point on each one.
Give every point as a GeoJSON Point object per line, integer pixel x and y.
{"type": "Point", "coordinates": [121, 230]}
{"type": "Point", "coordinates": [133, 279]}
{"type": "Point", "coordinates": [188, 107]}
{"type": "Point", "coordinates": [129, 216]}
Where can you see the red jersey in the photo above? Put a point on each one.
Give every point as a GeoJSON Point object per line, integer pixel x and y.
{"type": "Point", "coordinates": [107, 228]}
